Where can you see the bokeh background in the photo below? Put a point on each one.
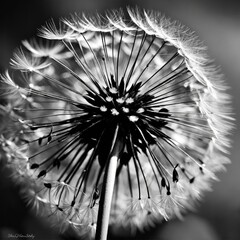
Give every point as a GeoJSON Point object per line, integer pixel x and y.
{"type": "Point", "coordinates": [217, 22]}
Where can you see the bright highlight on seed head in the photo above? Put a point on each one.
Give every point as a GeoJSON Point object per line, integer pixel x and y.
{"type": "Point", "coordinates": [114, 111]}
{"type": "Point", "coordinates": [133, 118]}
{"type": "Point", "coordinates": [103, 108]}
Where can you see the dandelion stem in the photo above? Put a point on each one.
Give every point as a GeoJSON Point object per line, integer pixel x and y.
{"type": "Point", "coordinates": [107, 191]}
{"type": "Point", "coordinates": [106, 199]}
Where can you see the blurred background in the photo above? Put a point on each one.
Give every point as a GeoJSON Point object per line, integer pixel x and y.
{"type": "Point", "coordinates": [217, 216]}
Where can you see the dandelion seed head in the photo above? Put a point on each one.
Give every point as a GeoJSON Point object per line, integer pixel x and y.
{"type": "Point", "coordinates": [129, 100]}
{"type": "Point", "coordinates": [25, 62]}
{"type": "Point", "coordinates": [133, 118]}
{"type": "Point", "coordinates": [109, 99]}
{"type": "Point", "coordinates": [120, 100]}
{"type": "Point", "coordinates": [113, 90]}
{"type": "Point", "coordinates": [103, 108]}
{"type": "Point", "coordinates": [114, 112]}
{"type": "Point", "coordinates": [125, 109]}
{"type": "Point", "coordinates": [140, 73]}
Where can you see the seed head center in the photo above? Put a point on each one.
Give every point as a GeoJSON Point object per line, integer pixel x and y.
{"type": "Point", "coordinates": [117, 105]}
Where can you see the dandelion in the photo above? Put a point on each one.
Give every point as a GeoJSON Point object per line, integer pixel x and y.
{"type": "Point", "coordinates": [125, 118]}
